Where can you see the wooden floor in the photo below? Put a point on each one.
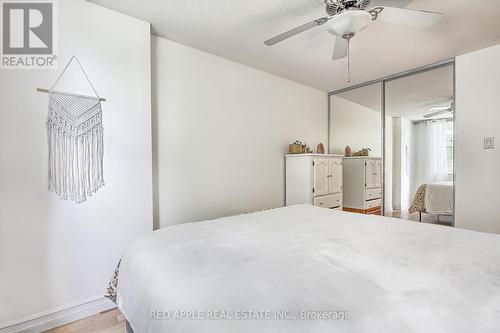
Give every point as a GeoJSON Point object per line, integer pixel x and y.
{"type": "Point", "coordinates": [111, 321]}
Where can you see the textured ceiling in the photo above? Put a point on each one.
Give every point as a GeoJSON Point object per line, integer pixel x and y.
{"type": "Point", "coordinates": [369, 96]}
{"type": "Point", "coordinates": [236, 29]}
{"type": "Point", "coordinates": [409, 97]}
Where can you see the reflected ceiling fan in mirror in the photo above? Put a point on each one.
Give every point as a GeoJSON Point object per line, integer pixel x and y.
{"type": "Point", "coordinates": [440, 110]}
{"type": "Point", "coordinates": [346, 18]}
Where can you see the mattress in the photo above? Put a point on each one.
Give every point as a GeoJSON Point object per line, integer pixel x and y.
{"type": "Point", "coordinates": [308, 269]}
{"type": "Point", "coordinates": [433, 198]}
{"type": "Point", "coordinates": [439, 198]}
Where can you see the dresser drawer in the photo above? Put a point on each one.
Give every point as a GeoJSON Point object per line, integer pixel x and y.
{"type": "Point", "coordinates": [373, 203]}
{"type": "Point", "coordinates": [329, 201]}
{"type": "Point", "coordinates": [375, 193]}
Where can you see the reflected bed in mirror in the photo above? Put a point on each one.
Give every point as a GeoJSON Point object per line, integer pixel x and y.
{"type": "Point", "coordinates": [421, 146]}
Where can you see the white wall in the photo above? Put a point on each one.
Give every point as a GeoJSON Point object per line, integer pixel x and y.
{"type": "Point", "coordinates": [396, 163]}
{"type": "Point", "coordinates": [389, 159]}
{"type": "Point", "coordinates": [55, 253]}
{"type": "Point", "coordinates": [478, 116]}
{"type": "Point", "coordinates": [406, 164]}
{"type": "Point", "coordinates": [222, 131]}
{"type": "Point", "coordinates": [402, 163]}
{"type": "Point", "coordinates": [354, 125]}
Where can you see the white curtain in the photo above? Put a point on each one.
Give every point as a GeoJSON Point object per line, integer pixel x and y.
{"type": "Point", "coordinates": [431, 157]}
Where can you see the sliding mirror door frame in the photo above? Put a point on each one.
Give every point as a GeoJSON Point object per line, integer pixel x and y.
{"type": "Point", "coordinates": [383, 81]}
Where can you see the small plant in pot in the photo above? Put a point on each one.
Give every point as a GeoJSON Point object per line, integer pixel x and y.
{"type": "Point", "coordinates": [363, 152]}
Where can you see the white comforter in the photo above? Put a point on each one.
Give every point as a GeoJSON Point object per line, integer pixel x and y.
{"type": "Point", "coordinates": [390, 275]}
{"type": "Point", "coordinates": [439, 198]}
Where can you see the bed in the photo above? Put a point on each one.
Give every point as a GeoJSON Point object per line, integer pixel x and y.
{"type": "Point", "coordinates": [433, 198]}
{"type": "Point", "coordinates": [309, 269]}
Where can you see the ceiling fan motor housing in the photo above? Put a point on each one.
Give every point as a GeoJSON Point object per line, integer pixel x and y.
{"type": "Point", "coordinates": [335, 7]}
{"type": "Point", "coordinates": [349, 22]}
{"type": "Point", "coordinates": [350, 4]}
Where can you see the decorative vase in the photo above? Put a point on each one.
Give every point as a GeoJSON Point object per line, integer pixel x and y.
{"type": "Point", "coordinates": [320, 149]}
{"type": "Point", "coordinates": [348, 151]}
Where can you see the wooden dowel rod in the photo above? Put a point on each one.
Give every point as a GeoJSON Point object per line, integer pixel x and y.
{"type": "Point", "coordinates": [55, 92]}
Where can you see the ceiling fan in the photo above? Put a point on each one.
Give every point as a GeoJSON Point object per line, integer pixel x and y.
{"type": "Point", "coordinates": [346, 18]}
{"type": "Point", "coordinates": [439, 110]}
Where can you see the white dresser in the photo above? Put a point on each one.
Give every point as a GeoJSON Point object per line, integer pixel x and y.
{"type": "Point", "coordinates": [314, 179]}
{"type": "Point", "coordinates": [363, 185]}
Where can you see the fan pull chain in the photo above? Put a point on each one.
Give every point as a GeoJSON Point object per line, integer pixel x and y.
{"type": "Point", "coordinates": [348, 37]}
{"type": "Point", "coordinates": [349, 60]}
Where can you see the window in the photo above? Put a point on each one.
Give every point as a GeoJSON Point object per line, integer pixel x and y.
{"type": "Point", "coordinates": [449, 145]}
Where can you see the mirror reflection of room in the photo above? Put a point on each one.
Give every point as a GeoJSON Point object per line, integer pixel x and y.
{"type": "Point", "coordinates": [355, 132]}
{"type": "Point", "coordinates": [419, 147]}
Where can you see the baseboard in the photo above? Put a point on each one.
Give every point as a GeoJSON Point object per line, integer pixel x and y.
{"type": "Point", "coordinates": [46, 320]}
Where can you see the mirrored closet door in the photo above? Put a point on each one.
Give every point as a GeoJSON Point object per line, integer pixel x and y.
{"type": "Point", "coordinates": [419, 146]}
{"type": "Point", "coordinates": [355, 129]}
{"type": "Point", "coordinates": [398, 140]}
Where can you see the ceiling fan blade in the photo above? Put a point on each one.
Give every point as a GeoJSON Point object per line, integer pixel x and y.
{"type": "Point", "coordinates": [296, 31]}
{"type": "Point", "coordinates": [389, 3]}
{"type": "Point", "coordinates": [439, 108]}
{"type": "Point", "coordinates": [438, 113]}
{"type": "Point", "coordinates": [410, 17]}
{"type": "Point", "coordinates": [340, 47]}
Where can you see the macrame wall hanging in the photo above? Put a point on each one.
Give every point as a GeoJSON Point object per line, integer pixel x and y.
{"type": "Point", "coordinates": [75, 141]}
